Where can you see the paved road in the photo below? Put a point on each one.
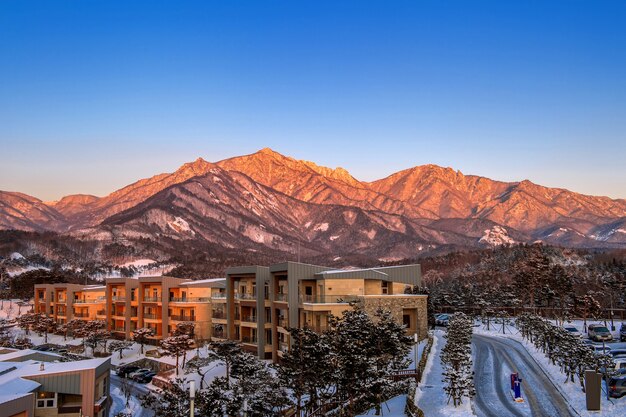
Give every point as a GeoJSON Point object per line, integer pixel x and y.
{"type": "Point", "coordinates": [494, 359]}
{"type": "Point", "coordinates": [119, 403]}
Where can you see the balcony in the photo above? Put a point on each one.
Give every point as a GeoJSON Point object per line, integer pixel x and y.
{"type": "Point", "coordinates": [81, 315]}
{"type": "Point", "coordinates": [118, 298]}
{"type": "Point", "coordinates": [101, 313]}
{"type": "Point", "coordinates": [183, 318]}
{"type": "Point", "coordinates": [190, 299]}
{"type": "Point", "coordinates": [219, 335]}
{"type": "Point", "coordinates": [245, 296]}
{"type": "Point", "coordinates": [283, 347]}
{"type": "Point", "coordinates": [217, 314]}
{"type": "Point", "coordinates": [94, 301]}
{"type": "Point", "coordinates": [283, 322]}
{"type": "Point", "coordinates": [249, 339]}
{"type": "Point", "coordinates": [151, 299]}
{"type": "Point", "coordinates": [281, 297]}
{"type": "Point", "coordinates": [249, 319]}
{"type": "Point", "coordinates": [328, 299]}
{"type": "Point", "coordinates": [151, 316]}
{"type": "Point", "coordinates": [219, 296]}
{"type": "Point", "coordinates": [119, 329]}
{"type": "Point", "coordinates": [61, 300]}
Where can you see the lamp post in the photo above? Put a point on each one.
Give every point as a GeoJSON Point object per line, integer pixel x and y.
{"type": "Point", "coordinates": [192, 396]}
{"type": "Point", "coordinates": [415, 339]}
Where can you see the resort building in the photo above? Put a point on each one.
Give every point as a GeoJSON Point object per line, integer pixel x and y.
{"type": "Point", "coordinates": [263, 302]}
{"type": "Point", "coordinates": [65, 302]}
{"type": "Point", "coordinates": [255, 305]}
{"type": "Point", "coordinates": [37, 384]}
{"type": "Point", "coordinates": [160, 303]}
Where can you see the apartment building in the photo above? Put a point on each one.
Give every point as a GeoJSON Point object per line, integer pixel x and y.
{"type": "Point", "coordinates": [126, 304]}
{"type": "Point", "coordinates": [160, 303]}
{"type": "Point", "coordinates": [66, 302]}
{"type": "Point", "coordinates": [263, 302]}
{"type": "Point", "coordinates": [36, 384]}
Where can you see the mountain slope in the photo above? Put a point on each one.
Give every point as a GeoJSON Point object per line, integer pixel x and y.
{"type": "Point", "coordinates": [267, 201]}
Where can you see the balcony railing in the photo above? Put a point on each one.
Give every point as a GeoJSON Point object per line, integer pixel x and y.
{"type": "Point", "coordinates": [81, 315]}
{"type": "Point", "coordinates": [245, 296]}
{"type": "Point", "coordinates": [328, 299]}
{"type": "Point", "coordinates": [283, 323]}
{"type": "Point", "coordinates": [283, 347]}
{"type": "Point", "coordinates": [118, 298]}
{"type": "Point", "coordinates": [61, 300]}
{"type": "Point", "coordinates": [119, 329]}
{"type": "Point", "coordinates": [280, 297]}
{"type": "Point", "coordinates": [183, 318]}
{"type": "Point", "coordinates": [249, 339]}
{"type": "Point", "coordinates": [250, 319]}
{"type": "Point", "coordinates": [150, 316]}
{"type": "Point", "coordinates": [151, 299]}
{"type": "Point", "coordinates": [219, 295]}
{"type": "Point", "coordinates": [101, 313]}
{"type": "Point", "coordinates": [219, 335]}
{"type": "Point", "coordinates": [95, 300]}
{"type": "Point", "coordinates": [218, 314]}
{"type": "Point", "coordinates": [190, 299]}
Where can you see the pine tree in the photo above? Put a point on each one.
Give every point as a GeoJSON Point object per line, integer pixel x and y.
{"type": "Point", "coordinates": [176, 346]}
{"type": "Point", "coordinates": [142, 335]}
{"type": "Point", "coordinates": [456, 357]}
{"type": "Point", "coordinates": [119, 346]}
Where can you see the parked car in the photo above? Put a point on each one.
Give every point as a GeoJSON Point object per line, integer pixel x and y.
{"type": "Point", "coordinates": [573, 331]}
{"type": "Point", "coordinates": [601, 350]}
{"type": "Point", "coordinates": [138, 372]}
{"type": "Point", "coordinates": [599, 333]}
{"type": "Point", "coordinates": [618, 353]}
{"type": "Point", "coordinates": [622, 333]}
{"type": "Point", "coordinates": [442, 320]}
{"type": "Point", "coordinates": [145, 378]}
{"type": "Point", "coordinates": [123, 371]}
{"type": "Point", "coordinates": [617, 386]}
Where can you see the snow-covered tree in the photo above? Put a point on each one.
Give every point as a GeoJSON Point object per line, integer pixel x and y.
{"type": "Point", "coordinates": [201, 365]}
{"type": "Point", "coordinates": [44, 325]}
{"type": "Point", "coordinates": [456, 357]}
{"type": "Point", "coordinates": [176, 346]}
{"type": "Point", "coordinates": [226, 351]}
{"type": "Point", "coordinates": [142, 336]}
{"type": "Point", "coordinates": [119, 346]}
{"type": "Point", "coordinates": [26, 321]}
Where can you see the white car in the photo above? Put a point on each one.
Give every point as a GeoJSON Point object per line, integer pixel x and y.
{"type": "Point", "coordinates": [599, 350]}
{"type": "Point", "coordinates": [573, 331]}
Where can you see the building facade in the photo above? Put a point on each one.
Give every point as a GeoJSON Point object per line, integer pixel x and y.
{"type": "Point", "coordinates": [37, 384]}
{"type": "Point", "coordinates": [127, 304]}
{"type": "Point", "coordinates": [254, 305]}
{"type": "Point", "coordinates": [263, 302]}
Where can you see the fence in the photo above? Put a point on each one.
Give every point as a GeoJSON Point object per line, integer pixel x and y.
{"type": "Point", "coordinates": [411, 409]}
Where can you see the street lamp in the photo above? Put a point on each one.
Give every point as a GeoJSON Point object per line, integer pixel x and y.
{"type": "Point", "coordinates": [415, 339]}
{"type": "Point", "coordinates": [192, 396]}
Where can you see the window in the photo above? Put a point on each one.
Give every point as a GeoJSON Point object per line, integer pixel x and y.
{"type": "Point", "coordinates": [385, 287]}
{"type": "Point", "coordinates": [46, 399]}
{"type": "Point", "coordinates": [406, 320]}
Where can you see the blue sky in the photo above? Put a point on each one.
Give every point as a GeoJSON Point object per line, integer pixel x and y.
{"type": "Point", "coordinates": [95, 95]}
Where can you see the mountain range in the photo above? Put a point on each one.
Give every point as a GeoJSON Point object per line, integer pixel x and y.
{"type": "Point", "coordinates": [268, 201]}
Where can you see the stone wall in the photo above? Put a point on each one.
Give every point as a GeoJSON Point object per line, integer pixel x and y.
{"type": "Point", "coordinates": [396, 304]}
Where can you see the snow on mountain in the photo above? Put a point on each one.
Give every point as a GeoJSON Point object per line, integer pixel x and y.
{"type": "Point", "coordinates": [496, 236]}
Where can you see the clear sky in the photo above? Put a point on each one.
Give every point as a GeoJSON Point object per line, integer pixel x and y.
{"type": "Point", "coordinates": [97, 94]}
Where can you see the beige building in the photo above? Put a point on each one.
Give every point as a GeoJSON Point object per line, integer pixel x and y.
{"type": "Point", "coordinates": [263, 302]}
{"type": "Point", "coordinates": [254, 305]}
{"type": "Point", "coordinates": [35, 384]}
{"type": "Point", "coordinates": [66, 302]}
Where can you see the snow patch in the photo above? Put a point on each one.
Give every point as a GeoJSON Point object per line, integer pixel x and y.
{"type": "Point", "coordinates": [496, 236]}
{"type": "Point", "coordinates": [15, 256]}
{"type": "Point", "coordinates": [180, 225]}
{"type": "Point", "coordinates": [321, 227]}
{"type": "Point", "coordinates": [334, 237]}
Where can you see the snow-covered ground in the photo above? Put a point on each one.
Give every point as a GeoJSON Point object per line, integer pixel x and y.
{"type": "Point", "coordinates": [392, 408]}
{"type": "Point", "coordinates": [10, 309]}
{"type": "Point", "coordinates": [430, 396]}
{"type": "Point", "coordinates": [571, 391]}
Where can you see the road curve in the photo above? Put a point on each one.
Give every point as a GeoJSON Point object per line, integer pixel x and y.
{"type": "Point", "coordinates": [494, 359]}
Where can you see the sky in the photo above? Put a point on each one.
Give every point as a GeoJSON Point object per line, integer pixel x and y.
{"type": "Point", "coordinates": [95, 95]}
